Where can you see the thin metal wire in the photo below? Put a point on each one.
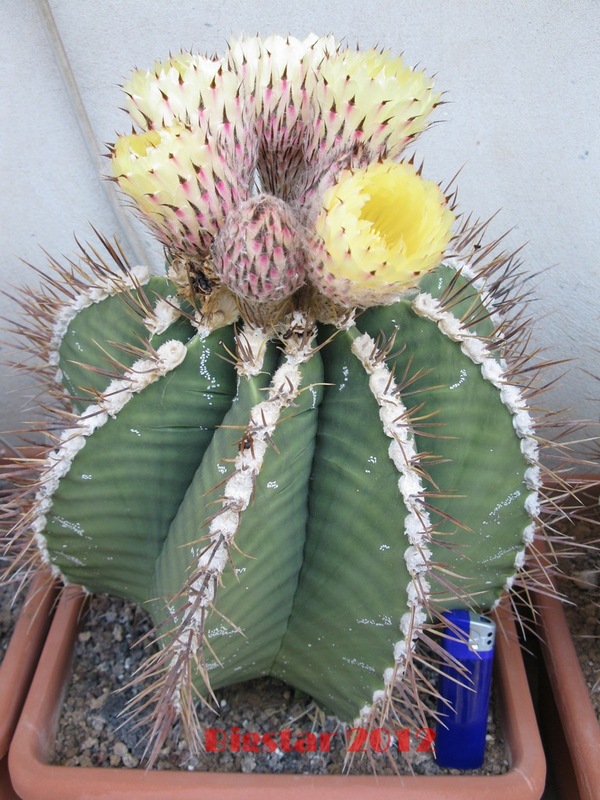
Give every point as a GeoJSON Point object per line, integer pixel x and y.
{"type": "Point", "coordinates": [131, 238]}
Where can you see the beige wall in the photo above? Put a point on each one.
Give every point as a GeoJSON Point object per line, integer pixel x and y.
{"type": "Point", "coordinates": [522, 83]}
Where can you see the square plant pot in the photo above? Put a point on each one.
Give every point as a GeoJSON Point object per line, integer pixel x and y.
{"type": "Point", "coordinates": [19, 663]}
{"type": "Point", "coordinates": [34, 777]}
{"type": "Point", "coordinates": [575, 747]}
{"type": "Point", "coordinates": [569, 723]}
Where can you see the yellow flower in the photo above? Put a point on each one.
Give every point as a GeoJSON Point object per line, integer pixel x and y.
{"type": "Point", "coordinates": [279, 72]}
{"type": "Point", "coordinates": [374, 99]}
{"type": "Point", "coordinates": [381, 228]}
{"type": "Point", "coordinates": [186, 89]}
{"type": "Point", "coordinates": [286, 117]}
{"type": "Point", "coordinates": [180, 183]}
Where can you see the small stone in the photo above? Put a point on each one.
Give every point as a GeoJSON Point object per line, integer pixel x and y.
{"type": "Point", "coordinates": [98, 702]}
{"type": "Point", "coordinates": [587, 578]}
{"type": "Point", "coordinates": [129, 760]}
{"type": "Point", "coordinates": [120, 749]}
{"type": "Point", "coordinates": [89, 743]}
{"type": "Point", "coordinates": [248, 763]}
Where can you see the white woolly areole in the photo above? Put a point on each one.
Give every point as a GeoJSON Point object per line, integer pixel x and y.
{"type": "Point", "coordinates": [240, 485]}
{"type": "Point", "coordinates": [378, 382]}
{"type": "Point", "coordinates": [72, 440]}
{"type": "Point", "coordinates": [477, 351]}
{"type": "Point", "coordinates": [170, 355]}
{"type": "Point", "coordinates": [417, 526]}
{"type": "Point", "coordinates": [38, 525]}
{"type": "Point", "coordinates": [520, 560]}
{"type": "Point", "coordinates": [254, 342]}
{"type": "Point", "coordinates": [417, 559]}
{"type": "Point", "coordinates": [523, 424]}
{"type": "Point", "coordinates": [44, 505]}
{"type": "Point", "coordinates": [478, 281]}
{"type": "Point", "coordinates": [508, 585]}
{"type": "Point", "coordinates": [226, 522]}
{"type": "Point", "coordinates": [416, 590]}
{"type": "Point", "coordinates": [400, 651]}
{"type": "Point", "coordinates": [265, 415]}
{"type": "Point", "coordinates": [400, 452]}
{"type": "Point", "coordinates": [530, 450]}
{"type": "Point", "coordinates": [410, 619]}
{"type": "Point", "coordinates": [137, 276]}
{"type": "Point", "coordinates": [118, 393]}
{"type": "Point", "coordinates": [532, 505]}
{"type": "Point", "coordinates": [286, 381]}
{"type": "Point", "coordinates": [494, 371]}
{"type": "Point", "coordinates": [511, 396]}
{"type": "Point", "coordinates": [214, 561]}
{"type": "Point", "coordinates": [93, 418]}
{"type": "Point", "coordinates": [389, 417]}
{"type": "Point", "coordinates": [388, 675]}
{"type": "Point", "coordinates": [141, 374]}
{"type": "Point", "coordinates": [165, 312]}
{"type": "Point", "coordinates": [410, 484]}
{"type": "Point", "coordinates": [533, 477]}
{"type": "Point", "coordinates": [529, 533]}
{"type": "Point", "coordinates": [425, 305]}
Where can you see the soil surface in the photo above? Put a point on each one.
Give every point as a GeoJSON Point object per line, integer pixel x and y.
{"type": "Point", "coordinates": [91, 732]}
{"type": "Point", "coordinates": [9, 611]}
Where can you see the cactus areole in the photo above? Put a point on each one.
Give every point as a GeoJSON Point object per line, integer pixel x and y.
{"type": "Point", "coordinates": [311, 436]}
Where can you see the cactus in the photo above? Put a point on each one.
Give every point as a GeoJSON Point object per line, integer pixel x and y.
{"type": "Point", "coordinates": [312, 435]}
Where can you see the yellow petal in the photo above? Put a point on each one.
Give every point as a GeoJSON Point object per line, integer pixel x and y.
{"type": "Point", "coordinates": [180, 184]}
{"type": "Point", "coordinates": [381, 228]}
{"type": "Point", "coordinates": [373, 98]}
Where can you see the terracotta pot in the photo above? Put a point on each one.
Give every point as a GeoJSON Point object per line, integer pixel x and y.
{"type": "Point", "coordinates": [19, 663]}
{"type": "Point", "coordinates": [35, 778]}
{"type": "Point", "coordinates": [568, 721]}
{"type": "Point", "coordinates": [573, 740]}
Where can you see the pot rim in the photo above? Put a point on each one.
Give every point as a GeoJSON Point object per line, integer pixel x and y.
{"type": "Point", "coordinates": [21, 656]}
{"type": "Point", "coordinates": [34, 777]}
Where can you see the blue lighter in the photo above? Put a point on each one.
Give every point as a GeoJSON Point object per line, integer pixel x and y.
{"type": "Point", "coordinates": [460, 733]}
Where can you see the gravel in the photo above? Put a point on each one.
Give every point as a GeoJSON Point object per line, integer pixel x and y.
{"type": "Point", "coordinates": [9, 611]}
{"type": "Point", "coordinates": [91, 732]}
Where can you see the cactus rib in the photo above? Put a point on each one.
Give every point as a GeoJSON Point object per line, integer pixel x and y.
{"type": "Point", "coordinates": [186, 613]}
{"type": "Point", "coordinates": [315, 433]}
{"type": "Point", "coordinates": [417, 523]}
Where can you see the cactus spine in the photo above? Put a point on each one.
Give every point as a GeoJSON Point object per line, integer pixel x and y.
{"type": "Point", "coordinates": [313, 435]}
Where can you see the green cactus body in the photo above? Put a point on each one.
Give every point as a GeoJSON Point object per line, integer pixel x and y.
{"type": "Point", "coordinates": [311, 437]}
{"type": "Point", "coordinates": [322, 557]}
